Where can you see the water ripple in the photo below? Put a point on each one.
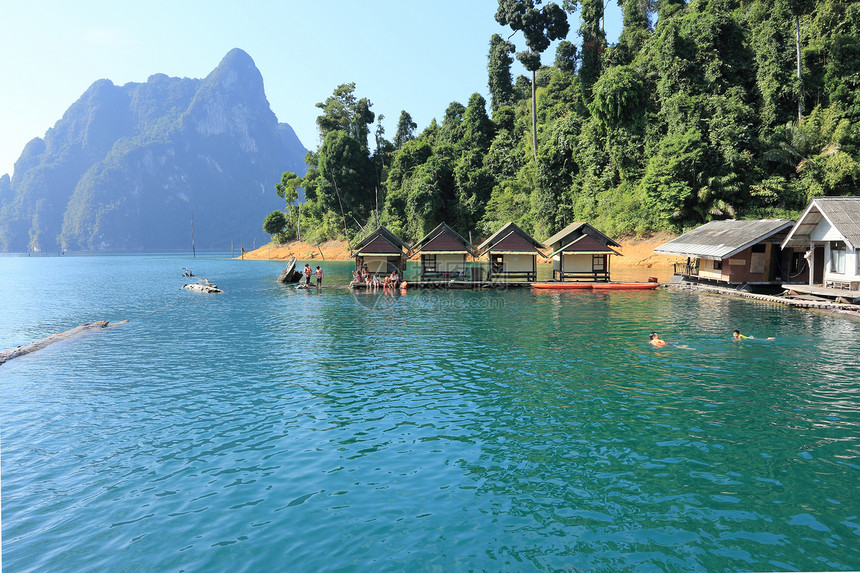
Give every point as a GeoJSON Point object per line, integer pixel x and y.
{"type": "Point", "coordinates": [431, 431]}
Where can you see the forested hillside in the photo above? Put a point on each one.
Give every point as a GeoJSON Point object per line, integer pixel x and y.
{"type": "Point", "coordinates": [702, 109]}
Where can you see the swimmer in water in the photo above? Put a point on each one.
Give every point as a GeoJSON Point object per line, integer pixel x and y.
{"type": "Point", "coordinates": [656, 341]}
{"type": "Point", "coordinates": [736, 335]}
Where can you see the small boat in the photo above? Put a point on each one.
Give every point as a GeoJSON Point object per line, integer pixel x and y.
{"type": "Point", "coordinates": [595, 286]}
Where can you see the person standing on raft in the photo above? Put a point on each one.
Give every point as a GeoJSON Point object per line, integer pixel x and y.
{"type": "Point", "coordinates": [319, 274]}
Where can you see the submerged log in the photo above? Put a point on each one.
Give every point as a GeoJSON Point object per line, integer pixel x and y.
{"type": "Point", "coordinates": [6, 355]}
{"type": "Point", "coordinates": [202, 286]}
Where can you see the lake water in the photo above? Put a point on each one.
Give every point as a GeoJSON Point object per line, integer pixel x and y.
{"type": "Point", "coordinates": [269, 428]}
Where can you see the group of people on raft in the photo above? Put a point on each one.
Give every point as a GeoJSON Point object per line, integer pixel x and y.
{"type": "Point", "coordinates": [655, 340]}
{"type": "Point", "coordinates": [373, 281]}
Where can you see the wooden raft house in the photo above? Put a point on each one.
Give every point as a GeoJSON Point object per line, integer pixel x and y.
{"type": "Point", "coordinates": [828, 235]}
{"type": "Point", "coordinates": [738, 253]}
{"type": "Point", "coordinates": [382, 252]}
{"type": "Point", "coordinates": [581, 253]}
{"type": "Point", "coordinates": [512, 254]}
{"type": "Point", "coordinates": [443, 255]}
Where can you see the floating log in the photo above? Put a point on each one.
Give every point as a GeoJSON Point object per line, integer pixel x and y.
{"type": "Point", "coordinates": [78, 331]}
{"type": "Point", "coordinates": [205, 286]}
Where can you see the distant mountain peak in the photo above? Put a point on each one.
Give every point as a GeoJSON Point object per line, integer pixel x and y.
{"type": "Point", "coordinates": [127, 165]}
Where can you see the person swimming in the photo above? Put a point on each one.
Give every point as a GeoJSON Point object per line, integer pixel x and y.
{"type": "Point", "coordinates": [736, 335]}
{"type": "Point", "coordinates": [656, 341]}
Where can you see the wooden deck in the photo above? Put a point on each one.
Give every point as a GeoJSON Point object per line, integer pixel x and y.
{"type": "Point", "coordinates": [797, 301]}
{"type": "Point", "coordinates": [823, 292]}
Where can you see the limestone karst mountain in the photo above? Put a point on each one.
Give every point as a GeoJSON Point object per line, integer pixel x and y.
{"type": "Point", "coordinates": [128, 166]}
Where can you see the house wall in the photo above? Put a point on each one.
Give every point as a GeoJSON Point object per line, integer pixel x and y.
{"type": "Point", "coordinates": [824, 232]}
{"type": "Point", "coordinates": [376, 264]}
{"type": "Point", "coordinates": [852, 264]}
{"type": "Point", "coordinates": [707, 270]}
{"type": "Point", "coordinates": [744, 267]}
{"type": "Point", "coordinates": [577, 263]}
{"type": "Point", "coordinates": [513, 263]}
{"type": "Point", "coordinates": [749, 267]}
{"type": "Point", "coordinates": [453, 263]}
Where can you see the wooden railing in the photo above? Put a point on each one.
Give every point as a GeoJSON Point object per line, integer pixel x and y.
{"type": "Point", "coordinates": [686, 270]}
{"type": "Point", "coordinates": [442, 275]}
{"type": "Point", "coordinates": [522, 275]}
{"type": "Point", "coordinates": [594, 276]}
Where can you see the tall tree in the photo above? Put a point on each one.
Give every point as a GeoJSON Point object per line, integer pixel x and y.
{"type": "Point", "coordinates": [540, 26]}
{"type": "Point", "coordinates": [636, 24]}
{"type": "Point", "coordinates": [593, 42]}
{"type": "Point", "coordinates": [798, 8]}
{"type": "Point", "coordinates": [288, 189]}
{"type": "Point", "coordinates": [343, 112]}
{"type": "Point", "coordinates": [565, 57]}
{"type": "Point", "coordinates": [499, 67]}
{"type": "Point", "coordinates": [405, 129]}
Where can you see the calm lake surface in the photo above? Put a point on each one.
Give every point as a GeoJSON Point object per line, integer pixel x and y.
{"type": "Point", "coordinates": [274, 429]}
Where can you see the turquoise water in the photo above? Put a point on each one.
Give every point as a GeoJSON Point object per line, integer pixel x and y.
{"type": "Point", "coordinates": [270, 429]}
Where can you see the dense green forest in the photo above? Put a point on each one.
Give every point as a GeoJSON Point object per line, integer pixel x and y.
{"type": "Point", "coordinates": [703, 109]}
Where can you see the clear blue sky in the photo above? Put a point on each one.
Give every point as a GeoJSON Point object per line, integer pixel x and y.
{"type": "Point", "coordinates": [402, 54]}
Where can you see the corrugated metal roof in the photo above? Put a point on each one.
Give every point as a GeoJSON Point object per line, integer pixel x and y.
{"type": "Point", "coordinates": [718, 240]}
{"type": "Point", "coordinates": [842, 212]}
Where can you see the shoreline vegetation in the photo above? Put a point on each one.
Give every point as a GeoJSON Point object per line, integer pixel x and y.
{"type": "Point", "coordinates": [700, 111]}
{"type": "Point", "coordinates": [636, 253]}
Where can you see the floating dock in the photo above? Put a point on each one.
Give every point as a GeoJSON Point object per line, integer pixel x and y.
{"type": "Point", "coordinates": [461, 285]}
{"type": "Point", "coordinates": [788, 298]}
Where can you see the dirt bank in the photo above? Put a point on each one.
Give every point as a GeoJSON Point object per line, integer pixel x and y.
{"type": "Point", "coordinates": [637, 252]}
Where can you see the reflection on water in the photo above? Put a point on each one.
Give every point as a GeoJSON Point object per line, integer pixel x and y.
{"type": "Point", "coordinates": [430, 430]}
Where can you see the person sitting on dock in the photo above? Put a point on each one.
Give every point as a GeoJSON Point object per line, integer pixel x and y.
{"type": "Point", "coordinates": [387, 283]}
{"type": "Point", "coordinates": [656, 341]}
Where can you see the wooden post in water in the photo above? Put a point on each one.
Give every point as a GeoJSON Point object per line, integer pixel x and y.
{"type": "Point", "coordinates": [193, 248]}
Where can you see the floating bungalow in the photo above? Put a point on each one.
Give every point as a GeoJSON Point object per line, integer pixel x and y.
{"type": "Point", "coordinates": [512, 254]}
{"type": "Point", "coordinates": [382, 252]}
{"type": "Point", "coordinates": [736, 253]}
{"type": "Point", "coordinates": [443, 255]}
{"type": "Point", "coordinates": [581, 253]}
{"type": "Point", "coordinates": [829, 233]}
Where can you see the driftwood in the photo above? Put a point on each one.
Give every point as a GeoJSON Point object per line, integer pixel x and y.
{"type": "Point", "coordinates": [6, 355]}
{"type": "Point", "coordinates": [290, 274]}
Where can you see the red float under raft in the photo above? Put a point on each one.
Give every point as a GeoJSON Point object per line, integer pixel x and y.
{"type": "Point", "coordinates": [595, 286]}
